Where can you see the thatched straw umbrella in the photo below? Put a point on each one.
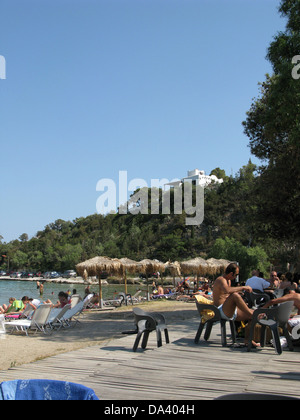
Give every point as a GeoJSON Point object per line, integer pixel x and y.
{"type": "Point", "coordinates": [148, 267]}
{"type": "Point", "coordinates": [226, 262]}
{"type": "Point", "coordinates": [129, 266]}
{"type": "Point", "coordinates": [218, 265]}
{"type": "Point", "coordinates": [95, 266]}
{"type": "Point", "coordinates": [174, 268]}
{"type": "Point", "coordinates": [197, 266]}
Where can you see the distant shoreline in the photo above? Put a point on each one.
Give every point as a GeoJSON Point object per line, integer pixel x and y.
{"type": "Point", "coordinates": [92, 281]}
{"type": "Point", "coordinates": [77, 280]}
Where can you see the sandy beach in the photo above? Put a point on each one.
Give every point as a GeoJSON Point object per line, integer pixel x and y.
{"type": "Point", "coordinates": [95, 327]}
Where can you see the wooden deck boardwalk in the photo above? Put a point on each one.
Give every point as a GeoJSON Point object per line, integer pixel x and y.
{"type": "Point", "coordinates": [199, 372]}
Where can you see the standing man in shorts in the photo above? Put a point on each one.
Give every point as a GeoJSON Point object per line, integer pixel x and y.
{"type": "Point", "coordinates": [228, 299]}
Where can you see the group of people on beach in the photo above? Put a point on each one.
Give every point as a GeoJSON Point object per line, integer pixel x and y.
{"type": "Point", "coordinates": [17, 306]}
{"type": "Point", "coordinates": [158, 290]}
{"type": "Point", "coordinates": [229, 299]}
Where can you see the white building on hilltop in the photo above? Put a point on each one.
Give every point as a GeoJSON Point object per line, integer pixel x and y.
{"type": "Point", "coordinates": [196, 177]}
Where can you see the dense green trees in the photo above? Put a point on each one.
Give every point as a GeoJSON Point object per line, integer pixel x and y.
{"type": "Point", "coordinates": [247, 257]}
{"type": "Point", "coordinates": [228, 231]}
{"type": "Point", "coordinates": [273, 127]}
{"type": "Point", "coordinates": [62, 244]}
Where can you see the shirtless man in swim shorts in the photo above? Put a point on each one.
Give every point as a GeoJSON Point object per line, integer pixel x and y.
{"type": "Point", "coordinates": [228, 299]}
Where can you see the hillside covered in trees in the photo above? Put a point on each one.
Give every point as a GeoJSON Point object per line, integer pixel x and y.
{"type": "Point", "coordinates": [231, 229]}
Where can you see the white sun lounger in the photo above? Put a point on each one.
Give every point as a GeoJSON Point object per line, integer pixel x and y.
{"type": "Point", "coordinates": [73, 314]}
{"type": "Point", "coordinates": [56, 316]}
{"type": "Point", "coordinates": [38, 321]}
{"type": "Point", "coordinates": [74, 300]}
{"type": "Point", "coordinates": [27, 313]}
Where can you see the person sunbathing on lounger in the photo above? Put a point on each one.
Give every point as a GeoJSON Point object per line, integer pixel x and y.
{"type": "Point", "coordinates": [15, 307]}
{"type": "Point", "coordinates": [5, 308]}
{"type": "Point", "coordinates": [63, 300]}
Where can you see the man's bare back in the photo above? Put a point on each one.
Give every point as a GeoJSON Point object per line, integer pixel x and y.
{"type": "Point", "coordinates": [220, 292]}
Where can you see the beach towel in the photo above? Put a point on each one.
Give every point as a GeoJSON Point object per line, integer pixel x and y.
{"type": "Point", "coordinates": [206, 314]}
{"type": "Point", "coordinates": [16, 316]}
{"type": "Point", "coordinates": [40, 389]}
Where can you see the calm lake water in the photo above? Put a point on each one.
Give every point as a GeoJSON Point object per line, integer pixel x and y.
{"type": "Point", "coordinates": [18, 289]}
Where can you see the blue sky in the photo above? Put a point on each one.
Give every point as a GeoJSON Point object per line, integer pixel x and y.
{"type": "Point", "coordinates": [93, 87]}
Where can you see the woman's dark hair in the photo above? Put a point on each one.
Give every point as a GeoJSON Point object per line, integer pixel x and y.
{"type": "Point", "coordinates": [63, 294]}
